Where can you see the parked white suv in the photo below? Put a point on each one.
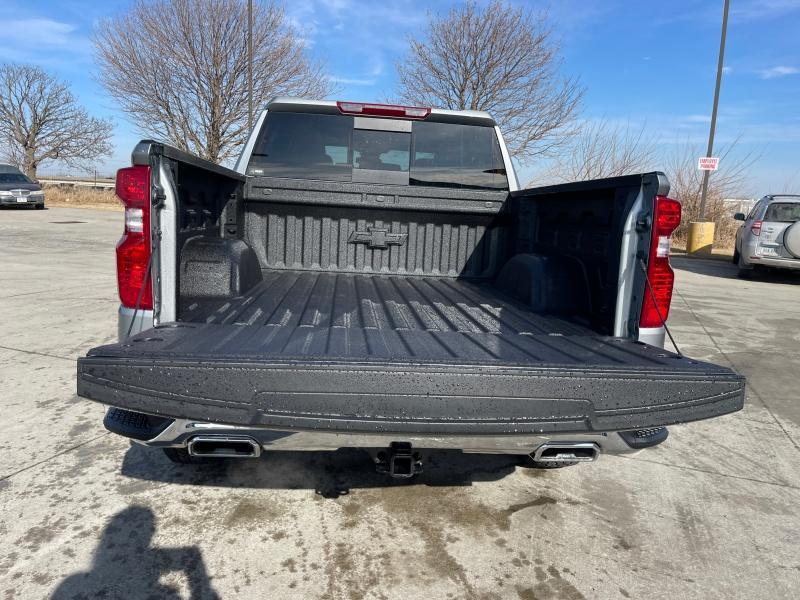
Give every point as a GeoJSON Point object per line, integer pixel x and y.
{"type": "Point", "coordinates": [769, 236]}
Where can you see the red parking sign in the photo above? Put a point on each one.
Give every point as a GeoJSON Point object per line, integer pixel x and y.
{"type": "Point", "coordinates": [708, 163]}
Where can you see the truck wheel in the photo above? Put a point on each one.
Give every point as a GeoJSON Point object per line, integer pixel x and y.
{"type": "Point", "coordinates": [181, 456]}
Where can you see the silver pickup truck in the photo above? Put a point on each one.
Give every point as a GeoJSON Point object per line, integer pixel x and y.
{"type": "Point", "coordinates": [372, 276]}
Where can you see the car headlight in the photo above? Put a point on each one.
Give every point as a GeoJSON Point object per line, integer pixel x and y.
{"type": "Point", "coordinates": [5, 193]}
{"type": "Point", "coordinates": [37, 194]}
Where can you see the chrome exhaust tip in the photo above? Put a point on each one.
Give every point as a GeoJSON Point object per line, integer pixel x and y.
{"type": "Point", "coordinates": [565, 452]}
{"type": "Point", "coordinates": [224, 446]}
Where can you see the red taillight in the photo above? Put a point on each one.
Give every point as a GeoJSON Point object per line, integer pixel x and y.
{"type": "Point", "coordinates": [383, 110]}
{"type": "Point", "coordinates": [755, 228]}
{"type": "Point", "coordinates": [133, 249]}
{"type": "Point", "coordinates": [667, 217]}
{"type": "Point", "coordinates": [133, 186]}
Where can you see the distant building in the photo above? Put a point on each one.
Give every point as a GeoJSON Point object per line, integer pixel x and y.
{"type": "Point", "coordinates": [734, 205]}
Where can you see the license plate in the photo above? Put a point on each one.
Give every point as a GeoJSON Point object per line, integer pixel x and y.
{"type": "Point", "coordinates": [22, 199]}
{"type": "Point", "coordinates": [767, 251]}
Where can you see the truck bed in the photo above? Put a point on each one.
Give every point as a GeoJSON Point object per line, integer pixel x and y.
{"type": "Point", "coordinates": [362, 316]}
{"type": "Point", "coordinates": [390, 353]}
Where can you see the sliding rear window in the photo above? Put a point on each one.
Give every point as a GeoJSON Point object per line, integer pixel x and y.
{"type": "Point", "coordinates": [370, 150]}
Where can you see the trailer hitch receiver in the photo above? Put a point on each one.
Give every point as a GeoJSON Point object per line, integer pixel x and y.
{"type": "Point", "coordinates": [399, 460]}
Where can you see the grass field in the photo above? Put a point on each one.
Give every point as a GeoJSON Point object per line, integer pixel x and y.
{"type": "Point", "coordinates": [81, 197]}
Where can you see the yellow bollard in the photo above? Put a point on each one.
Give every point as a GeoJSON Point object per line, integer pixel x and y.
{"type": "Point", "coordinates": [701, 237]}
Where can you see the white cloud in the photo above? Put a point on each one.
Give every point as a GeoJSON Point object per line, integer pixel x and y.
{"type": "Point", "coordinates": [698, 119]}
{"type": "Point", "coordinates": [38, 33]}
{"type": "Point", "coordinates": [348, 81]}
{"type": "Point", "coordinates": [46, 42]}
{"type": "Point", "coordinates": [756, 9]}
{"type": "Point", "coordinates": [358, 21]}
{"type": "Point", "coordinates": [305, 28]}
{"type": "Point", "coordinates": [377, 67]}
{"type": "Point", "coordinates": [741, 11]}
{"type": "Point", "coordinates": [337, 5]}
{"type": "Point", "coordinates": [779, 71]}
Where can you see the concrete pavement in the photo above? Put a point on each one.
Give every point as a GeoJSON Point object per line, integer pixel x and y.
{"type": "Point", "coordinates": [712, 513]}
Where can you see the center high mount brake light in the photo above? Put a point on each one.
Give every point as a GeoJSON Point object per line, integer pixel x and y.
{"type": "Point", "coordinates": [383, 110]}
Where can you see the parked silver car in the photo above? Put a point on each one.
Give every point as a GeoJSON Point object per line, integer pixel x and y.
{"type": "Point", "coordinates": [769, 236]}
{"type": "Point", "coordinates": [16, 189]}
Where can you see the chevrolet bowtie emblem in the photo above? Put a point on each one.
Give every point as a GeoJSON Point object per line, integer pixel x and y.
{"type": "Point", "coordinates": [377, 238]}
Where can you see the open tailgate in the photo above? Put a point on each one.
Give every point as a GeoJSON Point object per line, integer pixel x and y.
{"type": "Point", "coordinates": [577, 384]}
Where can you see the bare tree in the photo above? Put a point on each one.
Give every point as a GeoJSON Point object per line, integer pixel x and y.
{"type": "Point", "coordinates": [791, 184]}
{"type": "Point", "coordinates": [500, 59]}
{"type": "Point", "coordinates": [40, 120]}
{"type": "Point", "coordinates": [178, 68]}
{"type": "Point", "coordinates": [729, 181]}
{"type": "Point", "coordinates": [603, 149]}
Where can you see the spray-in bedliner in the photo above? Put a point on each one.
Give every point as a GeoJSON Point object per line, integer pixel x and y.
{"type": "Point", "coordinates": [356, 352]}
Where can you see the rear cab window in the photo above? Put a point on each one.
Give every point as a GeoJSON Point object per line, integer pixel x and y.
{"type": "Point", "coordinates": [374, 150]}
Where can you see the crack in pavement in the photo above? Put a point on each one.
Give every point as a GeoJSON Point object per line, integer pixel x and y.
{"type": "Point", "coordinates": [47, 291]}
{"type": "Point", "coordinates": [33, 352]}
{"type": "Point", "coordinates": [56, 455]}
{"type": "Point", "coordinates": [708, 472]}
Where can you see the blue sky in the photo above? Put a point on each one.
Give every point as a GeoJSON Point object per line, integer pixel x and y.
{"type": "Point", "coordinates": [650, 64]}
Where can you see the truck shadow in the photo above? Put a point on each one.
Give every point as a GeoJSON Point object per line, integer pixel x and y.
{"type": "Point", "coordinates": [126, 565]}
{"type": "Point", "coordinates": [329, 474]}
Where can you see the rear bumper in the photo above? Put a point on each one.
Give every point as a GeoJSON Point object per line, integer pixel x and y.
{"type": "Point", "coordinates": [28, 202]}
{"type": "Point", "coordinates": [775, 263]}
{"type": "Point", "coordinates": [751, 257]}
{"type": "Point", "coordinates": [176, 433]}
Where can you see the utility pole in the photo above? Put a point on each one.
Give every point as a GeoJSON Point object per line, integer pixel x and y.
{"type": "Point", "coordinates": [250, 64]}
{"type": "Point", "coordinates": [714, 109]}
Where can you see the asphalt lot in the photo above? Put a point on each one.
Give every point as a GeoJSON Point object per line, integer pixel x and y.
{"type": "Point", "coordinates": [712, 513]}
